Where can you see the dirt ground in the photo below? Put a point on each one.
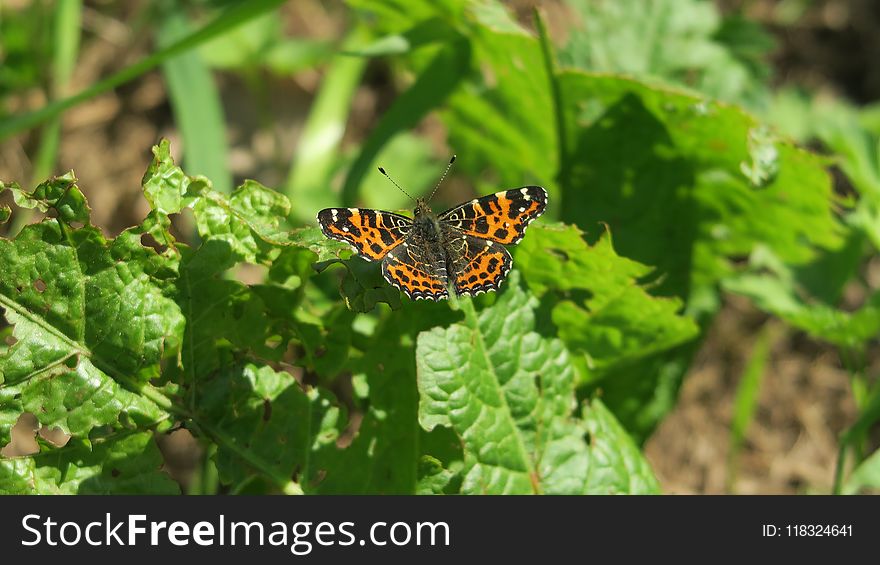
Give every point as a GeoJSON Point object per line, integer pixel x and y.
{"type": "Point", "coordinates": [805, 401]}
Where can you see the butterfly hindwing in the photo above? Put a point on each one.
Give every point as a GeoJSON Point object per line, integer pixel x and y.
{"type": "Point", "coordinates": [481, 266]}
{"type": "Point", "coordinates": [372, 233]}
{"type": "Point", "coordinates": [418, 270]}
{"type": "Point", "coordinates": [501, 217]}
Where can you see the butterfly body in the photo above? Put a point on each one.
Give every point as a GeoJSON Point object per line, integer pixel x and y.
{"type": "Point", "coordinates": [462, 248]}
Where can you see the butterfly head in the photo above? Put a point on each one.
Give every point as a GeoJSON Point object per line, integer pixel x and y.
{"type": "Point", "coordinates": [422, 209]}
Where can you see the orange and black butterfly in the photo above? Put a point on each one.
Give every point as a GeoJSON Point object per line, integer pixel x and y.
{"type": "Point", "coordinates": [422, 255]}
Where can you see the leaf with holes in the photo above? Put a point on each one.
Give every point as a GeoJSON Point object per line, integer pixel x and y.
{"type": "Point", "coordinates": [127, 464]}
{"type": "Point", "coordinates": [91, 323]}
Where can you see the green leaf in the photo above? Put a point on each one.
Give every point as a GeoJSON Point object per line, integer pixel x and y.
{"type": "Point", "coordinates": [250, 220]}
{"type": "Point", "coordinates": [773, 288]}
{"type": "Point", "coordinates": [619, 322]}
{"type": "Point", "coordinates": [265, 423]}
{"type": "Point", "coordinates": [503, 117]}
{"type": "Point", "coordinates": [682, 41]}
{"type": "Point", "coordinates": [91, 322]}
{"type": "Point", "coordinates": [128, 464]}
{"type": "Point", "coordinates": [59, 194]}
{"type": "Point", "coordinates": [508, 393]}
{"type": "Point", "coordinates": [362, 286]}
{"type": "Point", "coordinates": [662, 169]}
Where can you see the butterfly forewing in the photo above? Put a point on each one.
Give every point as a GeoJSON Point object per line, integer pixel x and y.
{"type": "Point", "coordinates": [501, 217]}
{"type": "Point", "coordinates": [372, 233]}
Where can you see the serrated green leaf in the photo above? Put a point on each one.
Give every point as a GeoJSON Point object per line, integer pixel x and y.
{"type": "Point", "coordinates": [91, 324]}
{"type": "Point", "coordinates": [60, 194]}
{"type": "Point", "coordinates": [250, 220]}
{"type": "Point", "coordinates": [619, 322]}
{"type": "Point", "coordinates": [509, 395]}
{"type": "Point", "coordinates": [128, 464]}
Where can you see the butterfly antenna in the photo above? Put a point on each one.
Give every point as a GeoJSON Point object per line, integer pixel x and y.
{"type": "Point", "coordinates": [443, 176]}
{"type": "Point", "coordinates": [381, 170]}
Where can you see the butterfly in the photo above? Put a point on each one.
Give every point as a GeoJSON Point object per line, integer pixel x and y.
{"type": "Point", "coordinates": [423, 256]}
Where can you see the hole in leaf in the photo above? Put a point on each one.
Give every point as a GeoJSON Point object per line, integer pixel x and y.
{"type": "Point", "coordinates": [55, 436]}
{"type": "Point", "coordinates": [72, 361]}
{"type": "Point", "coordinates": [295, 476]}
{"type": "Point", "coordinates": [182, 224]}
{"type": "Point", "coordinates": [588, 438]}
{"type": "Point", "coordinates": [147, 240]}
{"type": "Point", "coordinates": [538, 384]}
{"type": "Point", "coordinates": [182, 454]}
{"type": "Point", "coordinates": [23, 440]}
{"type": "Point", "coordinates": [39, 285]}
{"type": "Point", "coordinates": [267, 410]}
{"type": "Point", "coordinates": [115, 473]}
{"type": "Point", "coordinates": [10, 340]}
{"type": "Point", "coordinates": [76, 225]}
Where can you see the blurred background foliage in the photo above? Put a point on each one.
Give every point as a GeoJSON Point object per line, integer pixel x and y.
{"type": "Point", "coordinates": [729, 145]}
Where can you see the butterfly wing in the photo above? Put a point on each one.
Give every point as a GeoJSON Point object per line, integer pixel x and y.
{"type": "Point", "coordinates": [478, 265]}
{"type": "Point", "coordinates": [372, 233]}
{"type": "Point", "coordinates": [501, 217]}
{"type": "Point", "coordinates": [417, 268]}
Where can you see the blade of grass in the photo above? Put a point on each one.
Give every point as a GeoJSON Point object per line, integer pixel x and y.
{"type": "Point", "coordinates": [231, 18]}
{"type": "Point", "coordinates": [196, 105]}
{"type": "Point", "coordinates": [870, 413]}
{"type": "Point", "coordinates": [318, 147]}
{"type": "Point", "coordinates": [746, 400]}
{"type": "Point", "coordinates": [65, 47]}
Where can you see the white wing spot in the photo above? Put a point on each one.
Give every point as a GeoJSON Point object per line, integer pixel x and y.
{"type": "Point", "coordinates": [525, 193]}
{"type": "Point", "coordinates": [488, 243]}
{"type": "Point", "coordinates": [334, 214]}
{"type": "Point", "coordinates": [522, 209]}
{"type": "Point", "coordinates": [345, 228]}
{"type": "Point", "coordinates": [474, 201]}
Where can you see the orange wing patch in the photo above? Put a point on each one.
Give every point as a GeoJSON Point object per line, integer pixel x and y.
{"type": "Point", "coordinates": [484, 267]}
{"type": "Point", "coordinates": [418, 280]}
{"type": "Point", "coordinates": [371, 233]}
{"type": "Point", "coordinates": [501, 217]}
